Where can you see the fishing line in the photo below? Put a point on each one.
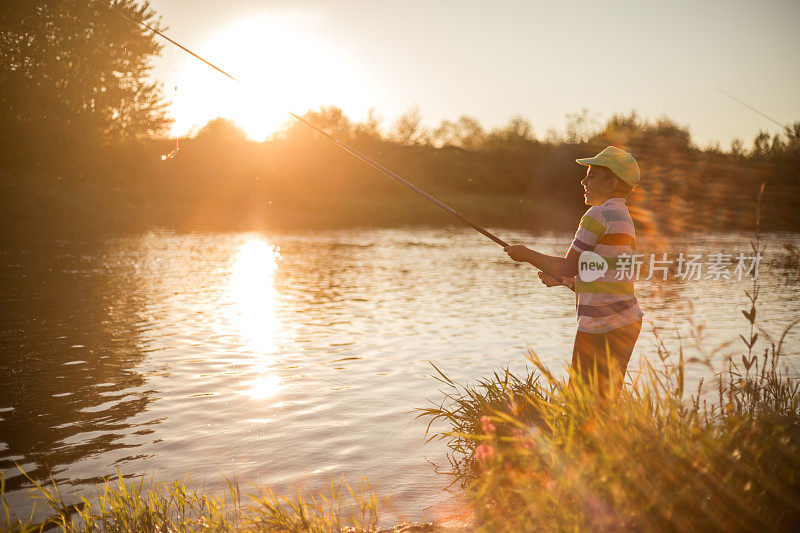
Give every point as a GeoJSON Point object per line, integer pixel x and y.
{"type": "Point", "coordinates": [170, 155]}
{"type": "Point", "coordinates": [346, 147]}
{"type": "Point", "coordinates": [729, 95]}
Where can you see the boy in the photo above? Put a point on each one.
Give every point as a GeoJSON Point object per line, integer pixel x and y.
{"type": "Point", "coordinates": [609, 318]}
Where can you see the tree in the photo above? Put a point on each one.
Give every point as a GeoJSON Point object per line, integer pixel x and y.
{"type": "Point", "coordinates": [582, 126]}
{"type": "Point", "coordinates": [466, 133]}
{"type": "Point", "coordinates": [469, 133]}
{"type": "Point", "coordinates": [330, 119]}
{"type": "Point", "coordinates": [222, 130]}
{"type": "Point", "coordinates": [737, 148]}
{"type": "Point", "coordinates": [75, 74]}
{"type": "Point", "coordinates": [406, 129]}
{"type": "Point", "coordinates": [445, 134]}
{"type": "Point", "coordinates": [793, 135]}
{"type": "Point", "coordinates": [517, 132]}
{"type": "Point", "coordinates": [370, 128]}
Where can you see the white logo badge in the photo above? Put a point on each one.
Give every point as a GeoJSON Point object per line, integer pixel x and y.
{"type": "Point", "coordinates": [591, 266]}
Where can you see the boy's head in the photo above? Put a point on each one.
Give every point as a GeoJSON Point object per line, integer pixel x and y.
{"type": "Point", "coordinates": [613, 173]}
{"type": "Point", "coordinates": [601, 183]}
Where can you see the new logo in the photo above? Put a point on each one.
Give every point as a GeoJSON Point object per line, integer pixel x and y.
{"type": "Point", "coordinates": [591, 266]}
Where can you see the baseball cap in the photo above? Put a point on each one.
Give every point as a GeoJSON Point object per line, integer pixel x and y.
{"type": "Point", "coordinates": [619, 161]}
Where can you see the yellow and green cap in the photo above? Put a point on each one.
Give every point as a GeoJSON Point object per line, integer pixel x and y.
{"type": "Point", "coordinates": [619, 161]}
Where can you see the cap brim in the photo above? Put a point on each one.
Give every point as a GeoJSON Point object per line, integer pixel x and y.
{"type": "Point", "coordinates": [586, 161]}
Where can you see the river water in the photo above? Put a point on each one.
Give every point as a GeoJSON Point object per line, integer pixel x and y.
{"type": "Point", "coordinates": [290, 359]}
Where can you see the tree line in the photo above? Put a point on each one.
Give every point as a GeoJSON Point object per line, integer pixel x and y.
{"type": "Point", "coordinates": [82, 129]}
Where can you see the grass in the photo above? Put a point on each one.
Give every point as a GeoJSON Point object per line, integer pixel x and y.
{"type": "Point", "coordinates": [532, 454]}
{"type": "Point", "coordinates": [135, 506]}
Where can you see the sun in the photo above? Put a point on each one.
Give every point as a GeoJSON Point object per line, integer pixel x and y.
{"type": "Point", "coordinates": [280, 67]}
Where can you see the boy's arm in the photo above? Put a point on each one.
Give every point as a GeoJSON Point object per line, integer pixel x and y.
{"type": "Point", "coordinates": [565, 267]}
{"type": "Point", "coordinates": [550, 281]}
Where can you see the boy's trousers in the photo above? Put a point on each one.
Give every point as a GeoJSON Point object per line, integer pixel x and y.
{"type": "Point", "coordinates": [609, 352]}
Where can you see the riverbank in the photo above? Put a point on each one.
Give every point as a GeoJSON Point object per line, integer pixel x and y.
{"type": "Point", "coordinates": [53, 208]}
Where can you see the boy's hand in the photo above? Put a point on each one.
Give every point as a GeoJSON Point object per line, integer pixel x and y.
{"type": "Point", "coordinates": [517, 252]}
{"type": "Point", "coordinates": [549, 280]}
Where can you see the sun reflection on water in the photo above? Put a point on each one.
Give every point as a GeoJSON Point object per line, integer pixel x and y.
{"type": "Point", "coordinates": [254, 298]}
{"type": "Point", "coordinates": [263, 387]}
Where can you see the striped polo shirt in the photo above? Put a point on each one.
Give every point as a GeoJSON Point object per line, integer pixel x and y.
{"type": "Point", "coordinates": [608, 302]}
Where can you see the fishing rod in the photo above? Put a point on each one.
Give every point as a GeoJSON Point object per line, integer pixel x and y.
{"type": "Point", "coordinates": [394, 176]}
{"type": "Point", "coordinates": [345, 147]}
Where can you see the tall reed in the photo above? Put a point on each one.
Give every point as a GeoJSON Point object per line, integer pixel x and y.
{"type": "Point", "coordinates": [534, 454]}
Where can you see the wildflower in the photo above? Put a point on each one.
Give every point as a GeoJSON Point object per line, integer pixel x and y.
{"type": "Point", "coordinates": [483, 452]}
{"type": "Point", "coordinates": [525, 439]}
{"type": "Point", "coordinates": [488, 427]}
{"type": "Point", "coordinates": [602, 515]}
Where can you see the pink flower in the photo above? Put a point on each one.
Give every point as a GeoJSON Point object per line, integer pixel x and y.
{"type": "Point", "coordinates": [523, 438]}
{"type": "Point", "coordinates": [483, 452]}
{"type": "Point", "coordinates": [486, 422]}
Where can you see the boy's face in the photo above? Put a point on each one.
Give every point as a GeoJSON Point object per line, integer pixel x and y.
{"type": "Point", "coordinates": [597, 187]}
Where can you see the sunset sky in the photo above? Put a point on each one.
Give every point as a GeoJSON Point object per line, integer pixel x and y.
{"type": "Point", "coordinates": [540, 60]}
